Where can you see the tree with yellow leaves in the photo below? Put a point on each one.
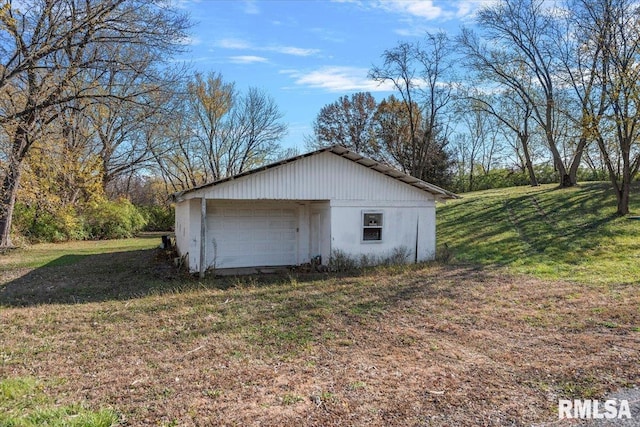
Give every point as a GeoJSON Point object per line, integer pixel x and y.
{"type": "Point", "coordinates": [52, 53]}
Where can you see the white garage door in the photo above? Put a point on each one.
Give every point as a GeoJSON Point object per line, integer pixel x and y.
{"type": "Point", "coordinates": [250, 235]}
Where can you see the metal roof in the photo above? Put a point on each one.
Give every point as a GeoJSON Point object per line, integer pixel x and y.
{"type": "Point", "coordinates": [345, 153]}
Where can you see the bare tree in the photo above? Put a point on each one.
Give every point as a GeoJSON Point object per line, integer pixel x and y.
{"type": "Point", "coordinates": [177, 153]}
{"type": "Point", "coordinates": [514, 112]}
{"type": "Point", "coordinates": [125, 124]}
{"type": "Point", "coordinates": [520, 48]}
{"type": "Point", "coordinates": [218, 132]}
{"type": "Point", "coordinates": [611, 31]}
{"type": "Point", "coordinates": [210, 101]}
{"type": "Point", "coordinates": [420, 74]}
{"type": "Point", "coordinates": [477, 147]}
{"type": "Point", "coordinates": [393, 136]}
{"type": "Point", "coordinates": [394, 132]}
{"type": "Point", "coordinates": [256, 129]}
{"type": "Point", "coordinates": [48, 48]}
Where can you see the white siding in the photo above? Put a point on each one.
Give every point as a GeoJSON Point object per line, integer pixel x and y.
{"type": "Point", "coordinates": [182, 228]}
{"type": "Point", "coordinates": [427, 234]}
{"type": "Point", "coordinates": [408, 227]}
{"type": "Point", "coordinates": [187, 231]}
{"type": "Point", "coordinates": [325, 176]}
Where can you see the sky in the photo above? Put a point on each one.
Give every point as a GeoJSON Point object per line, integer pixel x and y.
{"type": "Point", "coordinates": [306, 54]}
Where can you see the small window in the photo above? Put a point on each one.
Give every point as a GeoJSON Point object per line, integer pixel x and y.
{"type": "Point", "coordinates": [372, 226]}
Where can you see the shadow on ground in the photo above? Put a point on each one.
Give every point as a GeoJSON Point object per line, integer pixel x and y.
{"type": "Point", "coordinates": [81, 278]}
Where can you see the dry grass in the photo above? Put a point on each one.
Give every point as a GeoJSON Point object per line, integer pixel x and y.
{"type": "Point", "coordinates": [428, 345]}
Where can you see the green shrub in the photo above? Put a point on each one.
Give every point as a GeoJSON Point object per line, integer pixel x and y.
{"type": "Point", "coordinates": [505, 178]}
{"type": "Point", "coordinates": [116, 219]}
{"type": "Point", "coordinates": [72, 224]}
{"type": "Point", "coordinates": [99, 219]}
{"type": "Point", "coordinates": [158, 218]}
{"type": "Point", "coordinates": [37, 224]}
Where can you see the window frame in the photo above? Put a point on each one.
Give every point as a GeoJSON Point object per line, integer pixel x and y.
{"type": "Point", "coordinates": [364, 226]}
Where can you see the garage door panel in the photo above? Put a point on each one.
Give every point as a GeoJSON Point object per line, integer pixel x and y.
{"type": "Point", "coordinates": [288, 235]}
{"type": "Point", "coordinates": [273, 247]}
{"type": "Point", "coordinates": [235, 246]}
{"type": "Point", "coordinates": [253, 236]}
{"type": "Point", "coordinates": [237, 213]}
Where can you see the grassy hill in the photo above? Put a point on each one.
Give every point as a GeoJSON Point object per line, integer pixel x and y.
{"type": "Point", "coordinates": [551, 233]}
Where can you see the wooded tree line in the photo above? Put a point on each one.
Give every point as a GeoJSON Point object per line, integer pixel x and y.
{"type": "Point", "coordinates": [95, 117]}
{"type": "Point", "coordinates": [75, 76]}
{"type": "Point", "coordinates": [535, 80]}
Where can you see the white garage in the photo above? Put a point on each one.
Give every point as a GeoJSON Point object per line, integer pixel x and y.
{"type": "Point", "coordinates": [309, 206]}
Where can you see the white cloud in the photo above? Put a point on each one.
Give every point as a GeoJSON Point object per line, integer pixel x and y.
{"type": "Point", "coordinates": [338, 79]}
{"type": "Point", "coordinates": [418, 8]}
{"type": "Point", "coordinates": [430, 10]}
{"type": "Point", "coordinates": [183, 4]}
{"type": "Point", "coordinates": [343, 79]}
{"type": "Point", "coordinates": [232, 44]}
{"type": "Point", "coordinates": [422, 9]}
{"type": "Point", "coordinates": [239, 44]}
{"type": "Point", "coordinates": [190, 41]}
{"type": "Point", "coordinates": [251, 7]}
{"type": "Point", "coordinates": [247, 59]}
{"type": "Point", "coordinates": [468, 8]}
{"type": "Point", "coordinates": [290, 50]}
{"type": "Point", "coordinates": [465, 8]}
{"type": "Point", "coordinates": [420, 16]}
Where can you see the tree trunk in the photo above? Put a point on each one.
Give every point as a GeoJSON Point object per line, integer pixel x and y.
{"type": "Point", "coordinates": [565, 179]}
{"type": "Point", "coordinates": [11, 180]}
{"type": "Point", "coordinates": [575, 162]}
{"type": "Point", "coordinates": [622, 189]}
{"type": "Point", "coordinates": [625, 186]}
{"type": "Point", "coordinates": [524, 140]}
{"type": "Point", "coordinates": [8, 191]}
{"type": "Point", "coordinates": [623, 198]}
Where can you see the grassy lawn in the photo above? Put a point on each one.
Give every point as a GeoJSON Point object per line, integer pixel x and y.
{"type": "Point", "coordinates": [24, 403]}
{"type": "Point", "coordinates": [116, 337]}
{"type": "Point", "coordinates": [53, 254]}
{"type": "Point", "coordinates": [570, 234]}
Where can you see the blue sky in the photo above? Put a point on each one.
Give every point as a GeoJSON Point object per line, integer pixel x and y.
{"type": "Point", "coordinates": [306, 54]}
